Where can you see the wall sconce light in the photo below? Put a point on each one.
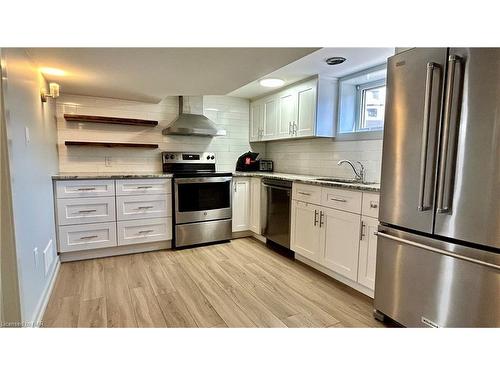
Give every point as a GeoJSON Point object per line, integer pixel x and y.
{"type": "Point", "coordinates": [53, 92]}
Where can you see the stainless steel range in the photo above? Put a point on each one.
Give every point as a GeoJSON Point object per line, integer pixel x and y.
{"type": "Point", "coordinates": [202, 198]}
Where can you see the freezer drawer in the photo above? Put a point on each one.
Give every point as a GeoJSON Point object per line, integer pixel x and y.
{"type": "Point", "coordinates": [422, 282]}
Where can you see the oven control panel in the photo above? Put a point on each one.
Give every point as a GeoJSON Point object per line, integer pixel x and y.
{"type": "Point", "coordinates": [188, 157]}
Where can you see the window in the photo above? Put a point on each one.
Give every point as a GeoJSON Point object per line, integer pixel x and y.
{"type": "Point", "coordinates": [362, 104]}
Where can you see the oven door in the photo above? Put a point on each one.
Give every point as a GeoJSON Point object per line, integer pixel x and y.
{"type": "Point", "coordinates": [202, 199]}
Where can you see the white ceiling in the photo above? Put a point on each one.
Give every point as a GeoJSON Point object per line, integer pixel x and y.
{"type": "Point", "coordinates": [151, 74]}
{"type": "Point", "coordinates": [314, 63]}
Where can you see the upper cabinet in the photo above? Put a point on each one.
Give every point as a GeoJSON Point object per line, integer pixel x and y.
{"type": "Point", "coordinates": [306, 109]}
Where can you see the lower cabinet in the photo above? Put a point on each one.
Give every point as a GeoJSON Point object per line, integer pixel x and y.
{"type": "Point", "coordinates": [305, 230]}
{"type": "Point", "coordinates": [255, 205]}
{"type": "Point", "coordinates": [340, 241]}
{"type": "Point", "coordinates": [142, 231]}
{"type": "Point", "coordinates": [241, 204]}
{"type": "Point", "coordinates": [367, 252]}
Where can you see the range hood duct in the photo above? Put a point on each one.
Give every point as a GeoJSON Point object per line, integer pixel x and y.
{"type": "Point", "coordinates": [192, 123]}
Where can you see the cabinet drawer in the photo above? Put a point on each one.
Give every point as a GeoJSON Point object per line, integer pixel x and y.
{"type": "Point", "coordinates": [143, 207]}
{"type": "Point", "coordinates": [87, 236]}
{"type": "Point", "coordinates": [370, 204]}
{"type": "Point", "coordinates": [143, 186]}
{"type": "Point", "coordinates": [342, 199]}
{"type": "Point", "coordinates": [85, 188]}
{"type": "Point", "coordinates": [85, 210]}
{"type": "Point", "coordinates": [306, 193]}
{"type": "Point", "coordinates": [142, 231]}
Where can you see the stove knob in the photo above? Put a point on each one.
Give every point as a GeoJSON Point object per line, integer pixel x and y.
{"type": "Point", "coordinates": [208, 157]}
{"type": "Point", "coordinates": [212, 157]}
{"type": "Point", "coordinates": [172, 156]}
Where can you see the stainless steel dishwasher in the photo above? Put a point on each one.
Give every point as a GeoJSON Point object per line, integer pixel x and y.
{"type": "Point", "coordinates": [276, 201]}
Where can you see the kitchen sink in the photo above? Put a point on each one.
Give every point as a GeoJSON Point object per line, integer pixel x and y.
{"type": "Point", "coordinates": [344, 180]}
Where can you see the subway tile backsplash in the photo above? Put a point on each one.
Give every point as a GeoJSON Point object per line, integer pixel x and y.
{"type": "Point", "coordinates": [320, 156]}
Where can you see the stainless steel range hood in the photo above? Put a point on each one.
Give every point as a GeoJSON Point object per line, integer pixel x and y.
{"type": "Point", "coordinates": [194, 122]}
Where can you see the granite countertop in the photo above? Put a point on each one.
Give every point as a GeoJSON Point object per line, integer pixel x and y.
{"type": "Point", "coordinates": [103, 176]}
{"type": "Point", "coordinates": [307, 179]}
{"type": "Point", "coordinates": [375, 187]}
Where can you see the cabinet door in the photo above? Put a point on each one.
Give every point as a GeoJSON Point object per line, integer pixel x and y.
{"type": "Point", "coordinates": [270, 128]}
{"type": "Point", "coordinates": [241, 204]}
{"type": "Point", "coordinates": [306, 110]}
{"type": "Point", "coordinates": [341, 241]}
{"type": "Point", "coordinates": [286, 114]}
{"type": "Point", "coordinates": [367, 252]}
{"type": "Point", "coordinates": [256, 120]}
{"type": "Point", "coordinates": [305, 230]}
{"type": "Point", "coordinates": [255, 188]}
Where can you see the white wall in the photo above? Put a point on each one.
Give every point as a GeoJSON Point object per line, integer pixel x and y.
{"type": "Point", "coordinates": [229, 113]}
{"type": "Point", "coordinates": [31, 167]}
{"type": "Point", "coordinates": [319, 157]}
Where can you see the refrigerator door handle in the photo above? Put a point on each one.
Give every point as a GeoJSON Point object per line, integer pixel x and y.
{"type": "Point", "coordinates": [441, 207]}
{"type": "Point", "coordinates": [436, 250]}
{"type": "Point", "coordinates": [425, 135]}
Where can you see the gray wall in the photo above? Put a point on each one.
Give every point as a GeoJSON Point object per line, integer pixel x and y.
{"type": "Point", "coordinates": [31, 167]}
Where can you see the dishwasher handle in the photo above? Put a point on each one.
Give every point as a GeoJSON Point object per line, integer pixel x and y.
{"type": "Point", "coordinates": [276, 187]}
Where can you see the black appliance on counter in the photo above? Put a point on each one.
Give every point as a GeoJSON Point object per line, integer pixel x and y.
{"type": "Point", "coordinates": [202, 200]}
{"type": "Point", "coordinates": [248, 162]}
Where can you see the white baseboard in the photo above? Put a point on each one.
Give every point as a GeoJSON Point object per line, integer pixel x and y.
{"type": "Point", "coordinates": [112, 251]}
{"type": "Point", "coordinates": [44, 300]}
{"type": "Point", "coordinates": [360, 288]}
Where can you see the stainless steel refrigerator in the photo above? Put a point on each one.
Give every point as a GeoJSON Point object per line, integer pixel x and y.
{"type": "Point", "coordinates": [438, 257]}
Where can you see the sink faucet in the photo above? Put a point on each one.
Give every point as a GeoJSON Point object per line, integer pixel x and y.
{"type": "Point", "coordinates": [360, 176]}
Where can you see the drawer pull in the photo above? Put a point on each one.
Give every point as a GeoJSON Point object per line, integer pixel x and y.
{"type": "Point", "coordinates": [301, 192]}
{"type": "Point", "coordinates": [144, 187]}
{"type": "Point", "coordinates": [338, 199]}
{"type": "Point", "coordinates": [86, 211]}
{"type": "Point", "coordinates": [88, 237]}
{"type": "Point", "coordinates": [373, 204]}
{"type": "Point", "coordinates": [146, 231]}
{"type": "Point", "coordinates": [144, 207]}
{"type": "Point", "coordinates": [86, 189]}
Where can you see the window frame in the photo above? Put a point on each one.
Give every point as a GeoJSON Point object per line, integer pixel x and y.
{"type": "Point", "coordinates": [361, 134]}
{"type": "Point", "coordinates": [360, 104]}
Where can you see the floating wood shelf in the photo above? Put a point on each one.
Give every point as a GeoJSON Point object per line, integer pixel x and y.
{"type": "Point", "coordinates": [110, 120]}
{"type": "Point", "coordinates": [110, 144]}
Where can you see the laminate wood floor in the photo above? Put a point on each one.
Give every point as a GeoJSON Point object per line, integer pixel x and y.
{"type": "Point", "coordinates": [236, 284]}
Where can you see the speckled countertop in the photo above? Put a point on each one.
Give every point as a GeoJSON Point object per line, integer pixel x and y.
{"type": "Point", "coordinates": [280, 176]}
{"type": "Point", "coordinates": [375, 187]}
{"type": "Point", "coordinates": [102, 176]}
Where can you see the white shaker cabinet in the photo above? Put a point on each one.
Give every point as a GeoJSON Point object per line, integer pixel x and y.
{"type": "Point", "coordinates": [270, 127]}
{"type": "Point", "coordinates": [341, 241]}
{"type": "Point", "coordinates": [305, 230]}
{"type": "Point", "coordinates": [367, 252]}
{"type": "Point", "coordinates": [255, 205]}
{"type": "Point", "coordinates": [241, 204]}
{"type": "Point", "coordinates": [256, 121]}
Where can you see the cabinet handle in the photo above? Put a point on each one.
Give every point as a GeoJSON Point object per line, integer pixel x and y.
{"type": "Point", "coordinates": [338, 199]}
{"type": "Point", "coordinates": [144, 187]}
{"type": "Point", "coordinates": [301, 192]}
{"type": "Point", "coordinates": [295, 128]}
{"type": "Point", "coordinates": [234, 184]}
{"type": "Point", "coordinates": [87, 237]}
{"type": "Point", "coordinates": [86, 189]}
{"type": "Point", "coordinates": [321, 215]}
{"type": "Point", "coordinates": [362, 230]}
{"type": "Point", "coordinates": [315, 217]}
{"type": "Point", "coordinates": [146, 231]}
{"type": "Point", "coordinates": [86, 211]}
{"type": "Point", "coordinates": [144, 207]}
{"type": "Point", "coordinates": [373, 204]}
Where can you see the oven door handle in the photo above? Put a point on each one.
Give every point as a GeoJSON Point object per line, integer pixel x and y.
{"type": "Point", "coordinates": [198, 180]}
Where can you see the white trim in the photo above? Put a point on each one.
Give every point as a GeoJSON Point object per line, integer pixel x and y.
{"type": "Point", "coordinates": [336, 276]}
{"type": "Point", "coordinates": [115, 250]}
{"type": "Point", "coordinates": [42, 303]}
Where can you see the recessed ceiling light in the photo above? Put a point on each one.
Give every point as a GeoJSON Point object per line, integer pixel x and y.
{"type": "Point", "coordinates": [335, 60]}
{"type": "Point", "coordinates": [53, 71]}
{"type": "Point", "coordinates": [271, 82]}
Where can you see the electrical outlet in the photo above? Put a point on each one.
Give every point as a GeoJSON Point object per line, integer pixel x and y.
{"type": "Point", "coordinates": [35, 256]}
{"type": "Point", "coordinates": [48, 256]}
{"type": "Point", "coordinates": [107, 161]}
